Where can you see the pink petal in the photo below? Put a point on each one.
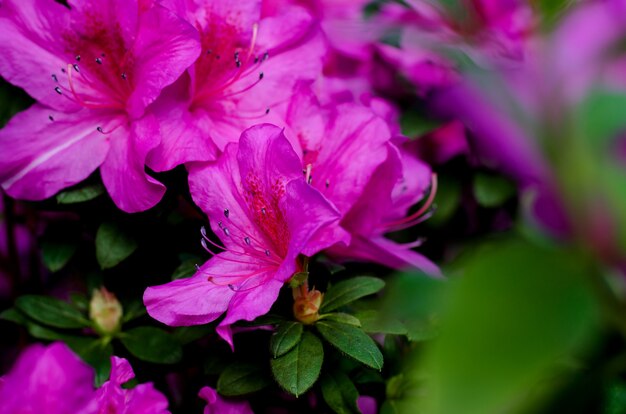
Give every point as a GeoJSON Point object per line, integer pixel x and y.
{"type": "Point", "coordinates": [121, 371]}
{"type": "Point", "coordinates": [218, 405]}
{"type": "Point", "coordinates": [39, 157]}
{"type": "Point", "coordinates": [123, 171]}
{"type": "Point", "coordinates": [165, 47]}
{"type": "Point", "coordinates": [30, 50]}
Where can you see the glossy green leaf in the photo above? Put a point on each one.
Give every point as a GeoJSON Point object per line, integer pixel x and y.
{"type": "Point", "coordinates": [373, 322]}
{"type": "Point", "coordinates": [51, 311]}
{"type": "Point", "coordinates": [352, 341]}
{"type": "Point", "coordinates": [80, 195]}
{"type": "Point", "coordinates": [339, 392]}
{"type": "Point", "coordinates": [152, 345]}
{"type": "Point", "coordinates": [186, 269]}
{"type": "Point", "coordinates": [348, 291]}
{"type": "Point", "coordinates": [56, 254]}
{"type": "Point", "coordinates": [298, 369]}
{"type": "Point", "coordinates": [242, 378]}
{"type": "Point", "coordinates": [285, 338]}
{"type": "Point", "coordinates": [342, 318]}
{"type": "Point", "coordinates": [113, 245]}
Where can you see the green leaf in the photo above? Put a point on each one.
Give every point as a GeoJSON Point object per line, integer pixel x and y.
{"type": "Point", "coordinates": [152, 345]}
{"type": "Point", "coordinates": [373, 322]}
{"type": "Point", "coordinates": [241, 378]}
{"type": "Point", "coordinates": [80, 195]}
{"type": "Point", "coordinates": [352, 341]}
{"type": "Point", "coordinates": [616, 399]}
{"type": "Point", "coordinates": [350, 290]}
{"type": "Point", "coordinates": [188, 334]}
{"type": "Point", "coordinates": [515, 310]}
{"type": "Point", "coordinates": [113, 245]}
{"type": "Point", "coordinates": [13, 315]}
{"type": "Point", "coordinates": [79, 300]}
{"type": "Point", "coordinates": [51, 311]}
{"type": "Point", "coordinates": [297, 370]}
{"type": "Point", "coordinates": [342, 318]}
{"type": "Point", "coordinates": [339, 393]}
{"type": "Point", "coordinates": [56, 254]}
{"type": "Point", "coordinates": [285, 338]}
{"type": "Point", "coordinates": [133, 310]}
{"type": "Point", "coordinates": [492, 191]}
{"type": "Point", "coordinates": [186, 269]}
{"type": "Point", "coordinates": [96, 353]}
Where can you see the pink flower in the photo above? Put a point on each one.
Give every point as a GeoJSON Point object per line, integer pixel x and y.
{"type": "Point", "coordinates": [244, 75]}
{"type": "Point", "coordinates": [93, 69]}
{"type": "Point", "coordinates": [218, 405]}
{"type": "Point", "coordinates": [142, 399]}
{"type": "Point", "coordinates": [265, 214]}
{"type": "Point", "coordinates": [350, 157]}
{"type": "Point", "coordinates": [48, 379]}
{"type": "Point", "coordinates": [52, 379]}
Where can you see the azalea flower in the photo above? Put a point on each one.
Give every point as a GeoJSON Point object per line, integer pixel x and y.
{"type": "Point", "coordinates": [349, 155]}
{"type": "Point", "coordinates": [244, 75]}
{"type": "Point", "coordinates": [52, 379]}
{"type": "Point", "coordinates": [94, 69]}
{"type": "Point", "coordinates": [218, 405]}
{"type": "Point", "coordinates": [265, 214]}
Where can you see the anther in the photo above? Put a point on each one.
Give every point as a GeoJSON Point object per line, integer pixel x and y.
{"type": "Point", "coordinates": [78, 58]}
{"type": "Point", "coordinates": [226, 212]}
{"type": "Point", "coordinates": [123, 75]}
{"type": "Point", "coordinates": [238, 63]}
{"type": "Point", "coordinates": [63, 70]}
{"type": "Point", "coordinates": [261, 75]}
{"type": "Point", "coordinates": [208, 52]}
{"type": "Point", "coordinates": [50, 117]}
{"type": "Point", "coordinates": [99, 61]}
{"type": "Point", "coordinates": [247, 240]}
{"type": "Point", "coordinates": [263, 210]}
{"type": "Point", "coordinates": [58, 90]}
{"type": "Point", "coordinates": [217, 57]}
{"type": "Point", "coordinates": [266, 55]}
{"type": "Point", "coordinates": [99, 129]}
{"type": "Point", "coordinates": [226, 231]}
{"type": "Point", "coordinates": [267, 111]}
{"type": "Point", "coordinates": [310, 180]}
{"type": "Point", "coordinates": [219, 224]}
{"type": "Point", "coordinates": [203, 231]}
{"type": "Point", "coordinates": [54, 77]}
{"type": "Point", "coordinates": [76, 67]}
{"type": "Point", "coordinates": [327, 183]}
{"type": "Point", "coordinates": [267, 252]}
{"type": "Point", "coordinates": [197, 267]}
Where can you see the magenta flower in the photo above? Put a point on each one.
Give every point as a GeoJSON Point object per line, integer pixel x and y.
{"type": "Point", "coordinates": [218, 405]}
{"type": "Point", "coordinates": [265, 214]}
{"type": "Point", "coordinates": [93, 69]}
{"type": "Point", "coordinates": [244, 75]}
{"type": "Point", "coordinates": [142, 399]}
{"type": "Point", "coordinates": [349, 157]}
{"type": "Point", "coordinates": [48, 379]}
{"type": "Point", "coordinates": [52, 379]}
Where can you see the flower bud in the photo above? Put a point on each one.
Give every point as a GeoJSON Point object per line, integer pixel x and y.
{"type": "Point", "coordinates": [307, 305]}
{"type": "Point", "coordinates": [105, 311]}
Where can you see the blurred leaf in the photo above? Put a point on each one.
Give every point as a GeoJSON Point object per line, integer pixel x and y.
{"type": "Point", "coordinates": [51, 311]}
{"type": "Point", "coordinates": [133, 310]}
{"type": "Point", "coordinates": [342, 318]}
{"type": "Point", "coordinates": [492, 191]}
{"type": "Point", "coordinates": [373, 322]}
{"type": "Point", "coordinates": [186, 269]}
{"type": "Point", "coordinates": [447, 200]}
{"type": "Point", "coordinates": [97, 354]}
{"type": "Point", "coordinates": [13, 315]}
{"type": "Point", "coordinates": [515, 310]}
{"type": "Point", "coordinates": [79, 300]}
{"type": "Point", "coordinates": [297, 370]}
{"type": "Point", "coordinates": [152, 345]}
{"type": "Point", "coordinates": [351, 341]}
{"type": "Point", "coordinates": [339, 392]}
{"type": "Point", "coordinates": [241, 378]}
{"type": "Point", "coordinates": [56, 254]}
{"type": "Point", "coordinates": [552, 10]}
{"type": "Point", "coordinates": [13, 100]}
{"type": "Point", "coordinates": [189, 334]}
{"type": "Point", "coordinates": [113, 245]}
{"type": "Point", "coordinates": [616, 399]}
{"type": "Point", "coordinates": [350, 290]}
{"type": "Point", "coordinates": [285, 338]}
{"type": "Point", "coordinates": [80, 195]}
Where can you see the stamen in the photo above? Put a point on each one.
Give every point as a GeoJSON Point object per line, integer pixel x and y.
{"type": "Point", "coordinates": [99, 61]}
{"type": "Point", "coordinates": [54, 78]}
{"type": "Point", "coordinates": [226, 212]}
{"type": "Point", "coordinates": [58, 90]}
{"type": "Point", "coordinates": [50, 117]}
{"type": "Point", "coordinates": [78, 58]}
{"type": "Point", "coordinates": [415, 218]}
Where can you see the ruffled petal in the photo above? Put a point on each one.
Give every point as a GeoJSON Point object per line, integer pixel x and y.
{"type": "Point", "coordinates": [123, 171]}
{"type": "Point", "coordinates": [43, 151]}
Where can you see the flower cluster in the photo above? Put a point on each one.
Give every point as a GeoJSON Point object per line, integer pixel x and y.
{"type": "Point", "coordinates": [289, 128]}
